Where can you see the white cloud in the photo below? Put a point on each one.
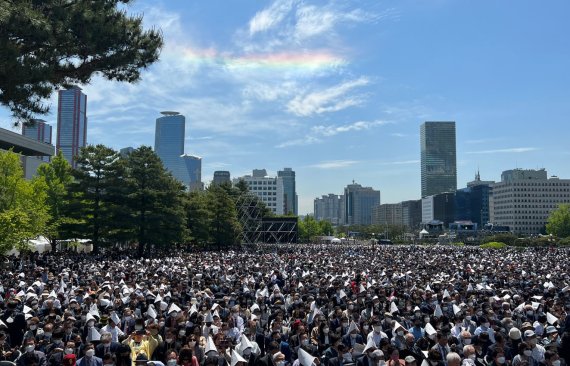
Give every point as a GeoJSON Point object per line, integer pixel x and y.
{"type": "Point", "coordinates": [505, 151]}
{"type": "Point", "coordinates": [356, 126]}
{"type": "Point", "coordinates": [270, 17]}
{"type": "Point", "coordinates": [307, 140]}
{"type": "Point", "coordinates": [328, 100]}
{"type": "Point", "coordinates": [334, 164]}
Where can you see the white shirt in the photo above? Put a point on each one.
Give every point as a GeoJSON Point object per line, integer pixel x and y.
{"type": "Point", "coordinates": [115, 332]}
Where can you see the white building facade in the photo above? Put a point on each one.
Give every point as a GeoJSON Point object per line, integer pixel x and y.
{"type": "Point", "coordinates": [270, 190]}
{"type": "Point", "coordinates": [524, 199]}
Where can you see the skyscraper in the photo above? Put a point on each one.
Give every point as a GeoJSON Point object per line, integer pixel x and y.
{"type": "Point", "coordinates": [169, 146]}
{"type": "Point", "coordinates": [290, 194]}
{"type": "Point", "coordinates": [40, 131]}
{"type": "Point", "coordinates": [438, 158]}
{"type": "Point", "coordinates": [71, 123]}
{"type": "Point", "coordinates": [221, 177]}
{"type": "Point", "coordinates": [359, 202]}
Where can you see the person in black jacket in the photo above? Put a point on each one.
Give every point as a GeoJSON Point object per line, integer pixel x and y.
{"type": "Point", "coordinates": [15, 321]}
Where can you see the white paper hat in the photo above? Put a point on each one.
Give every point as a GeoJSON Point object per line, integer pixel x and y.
{"type": "Point", "coordinates": [236, 358]}
{"type": "Point", "coordinates": [151, 312]}
{"type": "Point", "coordinates": [551, 319]}
{"type": "Point", "coordinates": [89, 317]}
{"type": "Point", "coordinates": [352, 327]}
{"type": "Point", "coordinates": [305, 358]}
{"type": "Point", "coordinates": [370, 344]}
{"type": "Point", "coordinates": [210, 346]}
{"type": "Point", "coordinates": [456, 309]}
{"type": "Point", "coordinates": [209, 318]}
{"type": "Point", "coordinates": [174, 307]}
{"type": "Point", "coordinates": [438, 311]}
{"type": "Point", "coordinates": [393, 308]}
{"type": "Point", "coordinates": [244, 344]}
{"type": "Point", "coordinates": [115, 318]}
{"type": "Point", "coordinates": [94, 335]}
{"type": "Point", "coordinates": [429, 329]}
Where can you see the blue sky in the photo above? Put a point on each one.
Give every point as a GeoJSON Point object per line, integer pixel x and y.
{"type": "Point", "coordinates": [337, 90]}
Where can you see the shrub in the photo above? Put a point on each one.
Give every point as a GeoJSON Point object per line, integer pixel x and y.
{"type": "Point", "coordinates": [493, 245]}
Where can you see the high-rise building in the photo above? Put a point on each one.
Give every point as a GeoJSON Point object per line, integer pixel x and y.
{"type": "Point", "coordinates": [289, 190]}
{"type": "Point", "coordinates": [328, 208]}
{"type": "Point", "coordinates": [268, 189]}
{"type": "Point", "coordinates": [358, 202]}
{"type": "Point", "coordinates": [221, 177]}
{"type": "Point", "coordinates": [169, 146]}
{"type": "Point", "coordinates": [438, 158]}
{"type": "Point", "coordinates": [39, 131]}
{"type": "Point", "coordinates": [439, 207]}
{"type": "Point", "coordinates": [472, 203]}
{"type": "Point", "coordinates": [126, 151]}
{"type": "Point", "coordinates": [193, 165]}
{"type": "Point", "coordinates": [524, 199]}
{"type": "Point", "coordinates": [387, 214]}
{"type": "Point", "coordinates": [412, 214]}
{"type": "Point", "coordinates": [71, 123]}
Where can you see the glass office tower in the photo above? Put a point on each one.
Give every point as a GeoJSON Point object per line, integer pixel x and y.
{"type": "Point", "coordinates": [438, 158]}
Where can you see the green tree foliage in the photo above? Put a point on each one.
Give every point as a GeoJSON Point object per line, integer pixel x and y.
{"type": "Point", "coordinates": [49, 44]}
{"type": "Point", "coordinates": [23, 212]}
{"type": "Point", "coordinates": [309, 228]}
{"type": "Point", "coordinates": [224, 224]}
{"type": "Point", "coordinates": [559, 221]}
{"type": "Point", "coordinates": [94, 208]}
{"type": "Point", "coordinates": [155, 201]}
{"type": "Point", "coordinates": [198, 218]}
{"type": "Point", "coordinates": [326, 227]}
{"type": "Point", "coordinates": [57, 176]}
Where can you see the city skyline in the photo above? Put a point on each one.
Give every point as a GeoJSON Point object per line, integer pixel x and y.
{"type": "Point", "coordinates": [337, 91]}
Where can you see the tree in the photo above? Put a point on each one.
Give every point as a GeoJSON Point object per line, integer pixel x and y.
{"type": "Point", "coordinates": [57, 177]}
{"type": "Point", "coordinates": [49, 44]}
{"type": "Point", "coordinates": [93, 206]}
{"type": "Point", "coordinates": [23, 213]}
{"type": "Point", "coordinates": [155, 201]}
{"type": "Point", "coordinates": [198, 217]}
{"type": "Point", "coordinates": [559, 221]}
{"type": "Point", "coordinates": [326, 227]}
{"type": "Point", "coordinates": [309, 228]}
{"type": "Point", "coordinates": [224, 225]}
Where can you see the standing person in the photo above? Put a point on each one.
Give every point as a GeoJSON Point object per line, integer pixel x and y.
{"type": "Point", "coordinates": [141, 343]}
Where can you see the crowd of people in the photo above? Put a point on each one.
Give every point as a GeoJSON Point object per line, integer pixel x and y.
{"type": "Point", "coordinates": [299, 305]}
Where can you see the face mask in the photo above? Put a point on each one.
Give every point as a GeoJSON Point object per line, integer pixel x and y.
{"type": "Point", "coordinates": [400, 333]}
{"type": "Point", "coordinates": [68, 351]}
{"type": "Point", "coordinates": [182, 333]}
{"type": "Point", "coordinates": [90, 353]}
{"type": "Point", "coordinates": [501, 360]}
{"type": "Point", "coordinates": [171, 363]}
{"type": "Point", "coordinates": [468, 318]}
{"type": "Point", "coordinates": [161, 324]}
{"type": "Point", "coordinates": [467, 341]}
{"type": "Point", "coordinates": [174, 314]}
{"type": "Point", "coordinates": [529, 312]}
{"type": "Point", "coordinates": [57, 341]}
{"type": "Point", "coordinates": [365, 327]}
{"type": "Point", "coordinates": [326, 330]}
{"type": "Point", "coordinates": [192, 344]}
{"type": "Point", "coordinates": [486, 325]}
{"type": "Point", "coordinates": [353, 335]}
{"type": "Point", "coordinates": [350, 307]}
{"type": "Point", "coordinates": [444, 308]}
{"type": "Point", "coordinates": [426, 320]}
{"type": "Point", "coordinates": [47, 334]}
{"type": "Point", "coordinates": [138, 327]}
{"type": "Point", "coordinates": [347, 357]}
{"type": "Point", "coordinates": [556, 363]}
{"type": "Point", "coordinates": [479, 313]}
{"type": "Point", "coordinates": [281, 363]}
{"type": "Point", "coordinates": [33, 327]}
{"type": "Point", "coordinates": [305, 341]}
{"type": "Point", "coordinates": [472, 357]}
{"type": "Point", "coordinates": [377, 328]}
{"type": "Point", "coordinates": [527, 352]}
{"type": "Point", "coordinates": [91, 324]}
{"type": "Point", "coordinates": [30, 348]}
{"type": "Point", "coordinates": [345, 325]}
{"type": "Point", "coordinates": [532, 342]}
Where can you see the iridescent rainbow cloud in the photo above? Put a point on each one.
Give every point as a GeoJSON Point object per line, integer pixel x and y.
{"type": "Point", "coordinates": [283, 60]}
